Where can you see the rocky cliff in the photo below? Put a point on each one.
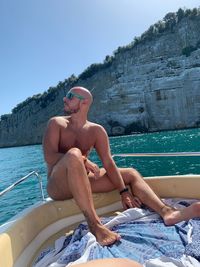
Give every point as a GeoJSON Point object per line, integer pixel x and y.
{"type": "Point", "coordinates": [152, 84]}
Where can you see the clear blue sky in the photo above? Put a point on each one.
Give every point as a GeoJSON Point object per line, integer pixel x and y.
{"type": "Point", "coordinates": [45, 41]}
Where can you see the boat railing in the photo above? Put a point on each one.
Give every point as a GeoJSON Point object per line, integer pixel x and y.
{"type": "Point", "coordinates": [168, 154]}
{"type": "Point", "coordinates": [33, 173]}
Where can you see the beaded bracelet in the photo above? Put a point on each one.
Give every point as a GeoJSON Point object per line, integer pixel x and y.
{"type": "Point", "coordinates": [123, 190]}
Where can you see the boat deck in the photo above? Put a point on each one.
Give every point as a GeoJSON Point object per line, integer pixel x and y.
{"type": "Point", "coordinates": [38, 227]}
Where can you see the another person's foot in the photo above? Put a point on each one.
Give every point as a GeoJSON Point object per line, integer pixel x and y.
{"type": "Point", "coordinates": [103, 235]}
{"type": "Point", "coordinates": [172, 216]}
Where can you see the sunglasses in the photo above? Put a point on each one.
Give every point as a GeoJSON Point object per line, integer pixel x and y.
{"type": "Point", "coordinates": [70, 95]}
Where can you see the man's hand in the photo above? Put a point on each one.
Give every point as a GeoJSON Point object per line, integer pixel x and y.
{"type": "Point", "coordinates": [92, 167]}
{"type": "Point", "coordinates": [129, 201]}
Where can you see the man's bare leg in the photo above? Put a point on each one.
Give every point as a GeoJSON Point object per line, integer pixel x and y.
{"type": "Point", "coordinates": [170, 215]}
{"type": "Point", "coordinates": [146, 195]}
{"type": "Point", "coordinates": [71, 169]}
{"type": "Point", "coordinates": [112, 262]}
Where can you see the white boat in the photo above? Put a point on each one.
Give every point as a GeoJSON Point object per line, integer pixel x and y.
{"type": "Point", "coordinates": [32, 230]}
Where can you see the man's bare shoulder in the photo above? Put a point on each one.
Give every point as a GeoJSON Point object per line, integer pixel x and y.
{"type": "Point", "coordinates": [97, 128]}
{"type": "Point", "coordinates": [58, 120]}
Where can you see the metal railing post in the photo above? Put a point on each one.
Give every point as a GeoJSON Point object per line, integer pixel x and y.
{"type": "Point", "coordinates": [10, 187]}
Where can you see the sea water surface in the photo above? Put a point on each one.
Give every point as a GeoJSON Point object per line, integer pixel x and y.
{"type": "Point", "coordinates": [17, 162]}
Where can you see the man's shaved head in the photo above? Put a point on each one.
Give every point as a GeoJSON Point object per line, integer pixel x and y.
{"type": "Point", "coordinates": [83, 92]}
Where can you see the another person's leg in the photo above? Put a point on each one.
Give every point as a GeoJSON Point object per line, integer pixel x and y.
{"type": "Point", "coordinates": [147, 196]}
{"type": "Point", "coordinates": [69, 179]}
{"type": "Point", "coordinates": [114, 262]}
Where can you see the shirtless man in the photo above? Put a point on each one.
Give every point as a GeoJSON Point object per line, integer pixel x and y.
{"type": "Point", "coordinates": [67, 143]}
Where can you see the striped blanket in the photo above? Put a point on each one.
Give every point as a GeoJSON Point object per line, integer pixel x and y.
{"type": "Point", "coordinates": [144, 238]}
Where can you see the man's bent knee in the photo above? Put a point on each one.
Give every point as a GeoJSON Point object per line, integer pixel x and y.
{"type": "Point", "coordinates": [74, 151]}
{"type": "Point", "coordinates": [133, 172]}
{"type": "Point", "coordinates": [130, 175]}
{"type": "Point", "coordinates": [73, 157]}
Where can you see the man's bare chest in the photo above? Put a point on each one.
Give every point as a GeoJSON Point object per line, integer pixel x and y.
{"type": "Point", "coordinates": [82, 140]}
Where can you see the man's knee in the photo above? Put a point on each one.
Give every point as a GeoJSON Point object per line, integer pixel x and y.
{"type": "Point", "coordinates": [131, 174]}
{"type": "Point", "coordinates": [134, 173]}
{"type": "Point", "coordinates": [73, 156]}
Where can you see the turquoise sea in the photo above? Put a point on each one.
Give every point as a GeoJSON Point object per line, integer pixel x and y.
{"type": "Point", "coordinates": [16, 162]}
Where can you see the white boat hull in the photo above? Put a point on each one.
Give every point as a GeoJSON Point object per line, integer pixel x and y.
{"type": "Point", "coordinates": [24, 236]}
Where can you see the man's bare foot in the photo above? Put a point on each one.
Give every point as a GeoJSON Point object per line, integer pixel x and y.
{"type": "Point", "coordinates": [172, 216]}
{"type": "Point", "coordinates": [103, 235]}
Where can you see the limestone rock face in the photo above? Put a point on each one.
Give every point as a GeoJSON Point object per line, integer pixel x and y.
{"type": "Point", "coordinates": [151, 86]}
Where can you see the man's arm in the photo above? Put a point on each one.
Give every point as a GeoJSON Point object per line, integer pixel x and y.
{"type": "Point", "coordinates": [102, 147]}
{"type": "Point", "coordinates": [51, 141]}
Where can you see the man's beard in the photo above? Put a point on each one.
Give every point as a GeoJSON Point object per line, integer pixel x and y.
{"type": "Point", "coordinates": [71, 111]}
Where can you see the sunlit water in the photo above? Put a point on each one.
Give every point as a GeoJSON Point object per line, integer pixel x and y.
{"type": "Point", "coordinates": [18, 161]}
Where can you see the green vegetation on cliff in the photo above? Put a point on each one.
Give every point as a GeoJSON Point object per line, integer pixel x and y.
{"type": "Point", "coordinates": [48, 96]}
{"type": "Point", "coordinates": [168, 23]}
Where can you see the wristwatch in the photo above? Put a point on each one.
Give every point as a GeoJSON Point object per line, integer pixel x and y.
{"type": "Point", "coordinates": [123, 190]}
